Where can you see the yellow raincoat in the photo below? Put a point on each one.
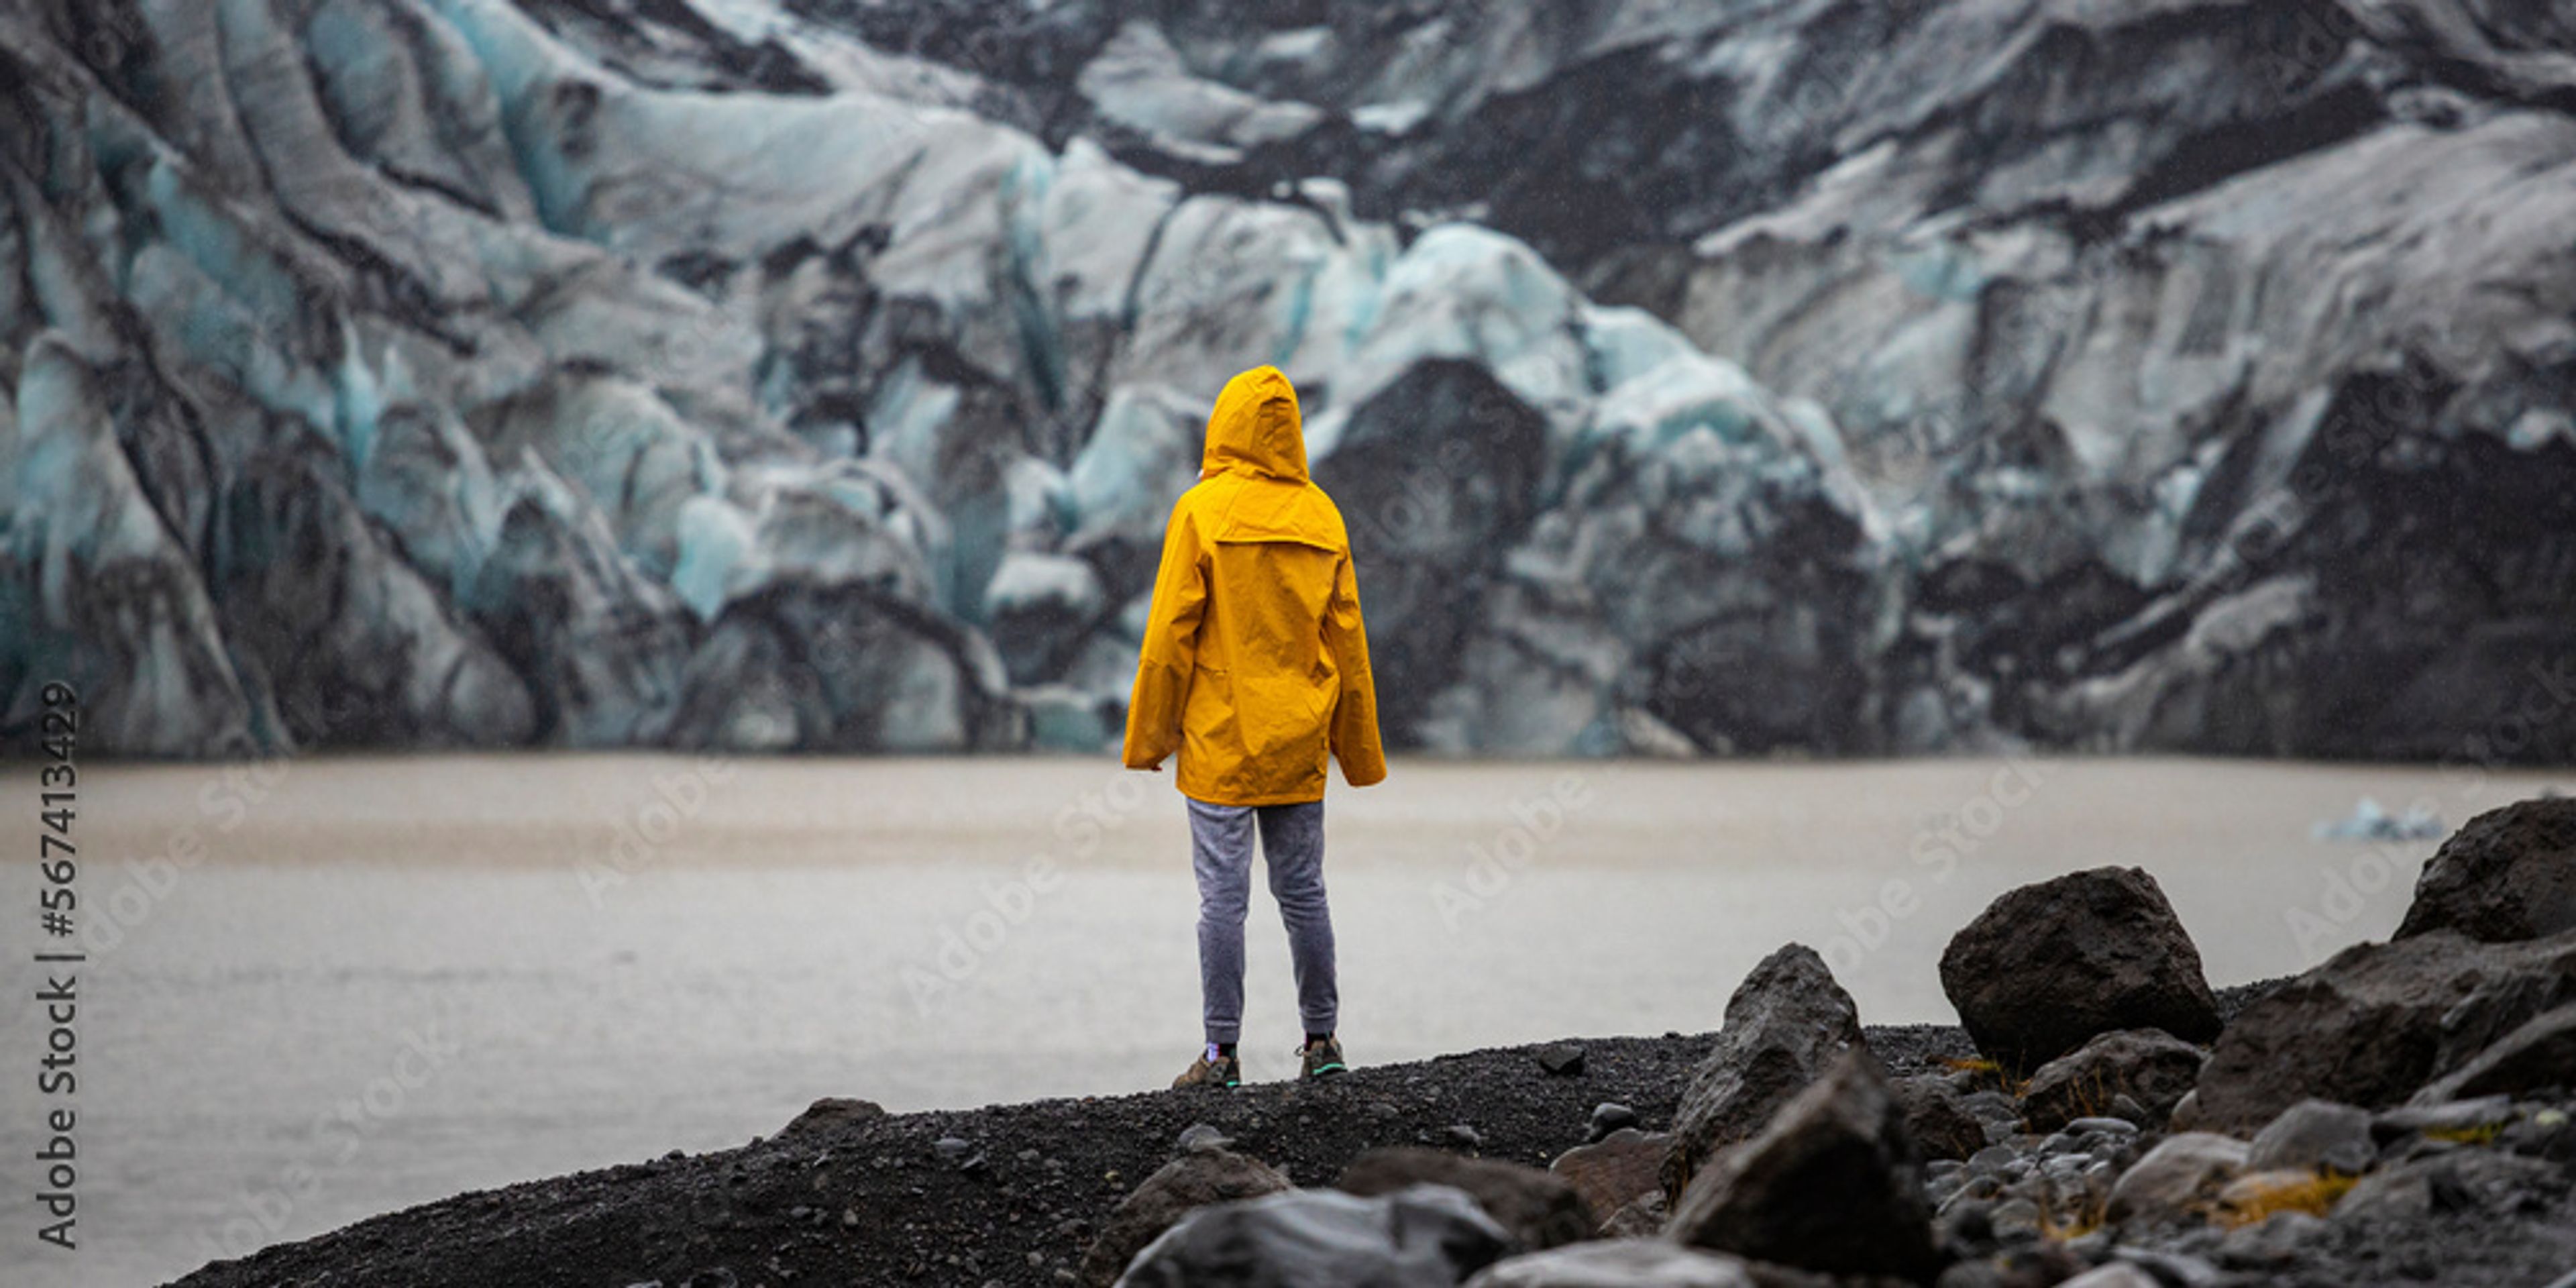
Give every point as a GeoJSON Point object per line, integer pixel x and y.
{"type": "Point", "coordinates": [1255, 664]}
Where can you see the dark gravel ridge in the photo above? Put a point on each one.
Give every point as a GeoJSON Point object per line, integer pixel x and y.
{"type": "Point", "coordinates": [874, 1202]}
{"type": "Point", "coordinates": [878, 1201]}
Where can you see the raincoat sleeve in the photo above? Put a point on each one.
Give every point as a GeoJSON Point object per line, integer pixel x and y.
{"type": "Point", "coordinates": [1171, 646]}
{"type": "Point", "coordinates": [1354, 730]}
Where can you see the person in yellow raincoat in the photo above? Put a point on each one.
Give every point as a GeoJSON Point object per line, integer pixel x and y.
{"type": "Point", "coordinates": [1254, 670]}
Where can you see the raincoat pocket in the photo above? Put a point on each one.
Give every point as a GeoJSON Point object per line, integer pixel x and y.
{"type": "Point", "coordinates": [1210, 732]}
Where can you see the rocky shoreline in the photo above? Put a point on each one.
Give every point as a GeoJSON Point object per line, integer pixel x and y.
{"type": "Point", "coordinates": [2403, 1113]}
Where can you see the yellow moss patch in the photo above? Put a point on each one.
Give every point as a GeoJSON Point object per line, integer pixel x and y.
{"type": "Point", "coordinates": [1985, 1071]}
{"type": "Point", "coordinates": [2087, 1218]}
{"type": "Point", "coordinates": [2482, 1134]}
{"type": "Point", "coordinates": [2264, 1194]}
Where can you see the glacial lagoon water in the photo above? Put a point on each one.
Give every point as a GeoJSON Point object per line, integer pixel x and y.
{"type": "Point", "coordinates": [323, 989]}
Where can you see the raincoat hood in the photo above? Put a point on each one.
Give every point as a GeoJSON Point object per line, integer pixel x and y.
{"type": "Point", "coordinates": [1256, 427]}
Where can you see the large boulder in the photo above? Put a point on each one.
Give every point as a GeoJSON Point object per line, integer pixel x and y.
{"type": "Point", "coordinates": [2150, 1066]}
{"type": "Point", "coordinates": [1785, 1025]}
{"type": "Point", "coordinates": [1539, 1209]}
{"type": "Point", "coordinates": [2507, 874]}
{"type": "Point", "coordinates": [2539, 1055]}
{"type": "Point", "coordinates": [2048, 966]}
{"type": "Point", "coordinates": [1832, 1184]}
{"type": "Point", "coordinates": [1938, 1117]}
{"type": "Point", "coordinates": [2375, 1022]}
{"type": "Point", "coordinates": [2482, 1186]}
{"type": "Point", "coordinates": [1615, 1170]}
{"type": "Point", "coordinates": [1182, 1186]}
{"type": "Point", "coordinates": [1617, 1263]}
{"type": "Point", "coordinates": [1422, 1236]}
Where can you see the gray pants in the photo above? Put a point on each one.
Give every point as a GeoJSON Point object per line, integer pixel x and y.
{"type": "Point", "coordinates": [1292, 842]}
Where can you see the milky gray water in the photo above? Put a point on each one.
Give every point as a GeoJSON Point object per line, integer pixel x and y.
{"type": "Point", "coordinates": [325, 989]}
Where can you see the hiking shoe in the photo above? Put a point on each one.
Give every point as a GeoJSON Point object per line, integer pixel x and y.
{"type": "Point", "coordinates": [1321, 1059]}
{"type": "Point", "coordinates": [1224, 1071]}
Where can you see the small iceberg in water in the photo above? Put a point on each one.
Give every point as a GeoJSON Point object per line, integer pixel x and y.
{"type": "Point", "coordinates": [2369, 822]}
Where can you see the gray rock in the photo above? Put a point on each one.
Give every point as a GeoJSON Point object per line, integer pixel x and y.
{"type": "Point", "coordinates": [1833, 1184]}
{"type": "Point", "coordinates": [2508, 874]}
{"type": "Point", "coordinates": [2114, 1126]}
{"type": "Point", "coordinates": [2442, 1118]}
{"type": "Point", "coordinates": [2546, 1133]}
{"type": "Point", "coordinates": [1184, 1185]}
{"type": "Point", "coordinates": [2374, 1023]}
{"type": "Point", "coordinates": [2270, 1244]}
{"type": "Point", "coordinates": [2470, 1184]}
{"type": "Point", "coordinates": [1618, 1263]}
{"type": "Point", "coordinates": [1644, 1217]}
{"type": "Point", "coordinates": [1539, 1209]}
{"type": "Point", "coordinates": [1424, 1236]}
{"type": "Point", "coordinates": [1938, 1117]}
{"type": "Point", "coordinates": [2182, 1173]}
{"type": "Point", "coordinates": [2151, 1067]}
{"type": "Point", "coordinates": [1607, 1117]}
{"type": "Point", "coordinates": [1785, 1025]}
{"type": "Point", "coordinates": [2186, 1113]}
{"type": "Point", "coordinates": [2118, 1274]}
{"type": "Point", "coordinates": [1202, 1137]}
{"type": "Point", "coordinates": [2537, 1056]}
{"type": "Point", "coordinates": [1564, 1059]}
{"type": "Point", "coordinates": [2049, 966]}
{"type": "Point", "coordinates": [832, 1112]}
{"type": "Point", "coordinates": [2315, 1135]}
{"type": "Point", "coordinates": [2017, 1218]}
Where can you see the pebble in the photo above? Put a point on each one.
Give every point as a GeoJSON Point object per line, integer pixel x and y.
{"type": "Point", "coordinates": [2268, 1243]}
{"type": "Point", "coordinates": [1607, 1117]}
{"type": "Point", "coordinates": [2015, 1220]}
{"type": "Point", "coordinates": [1562, 1059]}
{"type": "Point", "coordinates": [1203, 1137]}
{"type": "Point", "coordinates": [1463, 1136]}
{"type": "Point", "coordinates": [1992, 1104]}
{"type": "Point", "coordinates": [2458, 1115]}
{"type": "Point", "coordinates": [2117, 1126]}
{"type": "Point", "coordinates": [1971, 1221]}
